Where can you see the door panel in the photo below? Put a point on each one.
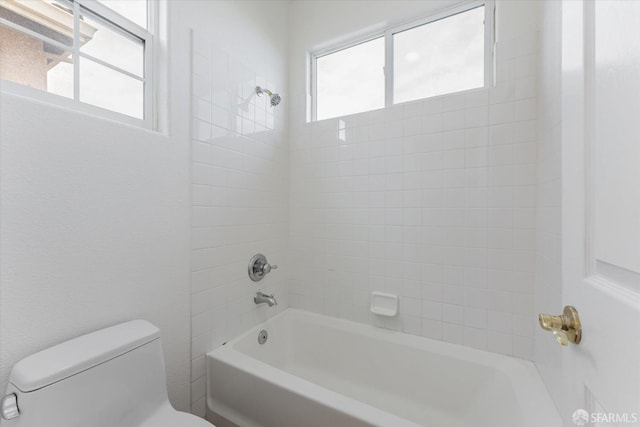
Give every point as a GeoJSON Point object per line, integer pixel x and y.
{"type": "Point", "coordinates": [616, 134]}
{"type": "Point", "coordinates": [601, 202]}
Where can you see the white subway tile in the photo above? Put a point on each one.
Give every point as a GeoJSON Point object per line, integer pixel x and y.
{"type": "Point", "coordinates": [503, 92]}
{"type": "Point", "coordinates": [524, 325]}
{"type": "Point", "coordinates": [475, 317]}
{"type": "Point", "coordinates": [500, 321]}
{"type": "Point", "coordinates": [198, 368]}
{"type": "Point", "coordinates": [412, 126]}
{"type": "Point", "coordinates": [454, 159]}
{"type": "Point", "coordinates": [476, 137]}
{"type": "Point", "coordinates": [526, 88]}
{"type": "Point", "coordinates": [431, 292]}
{"type": "Point", "coordinates": [441, 192]}
{"type": "Point", "coordinates": [526, 109]}
{"type": "Point", "coordinates": [454, 178]}
{"type": "Point", "coordinates": [198, 389]}
{"type": "Point", "coordinates": [499, 342]}
{"type": "Point", "coordinates": [454, 101]}
{"type": "Point", "coordinates": [199, 345]}
{"type": "Point", "coordinates": [432, 123]}
{"type": "Point", "coordinates": [452, 333]}
{"type": "Point", "coordinates": [431, 329]}
{"type": "Point", "coordinates": [453, 314]}
{"type": "Point", "coordinates": [200, 152]}
{"type": "Point", "coordinates": [476, 117]}
{"type": "Point", "coordinates": [477, 98]}
{"type": "Point", "coordinates": [501, 134]}
{"type": "Point", "coordinates": [453, 120]}
{"type": "Point", "coordinates": [411, 325]}
{"type": "Point", "coordinates": [431, 310]}
{"type": "Point", "coordinates": [413, 109]}
{"type": "Point", "coordinates": [523, 347]}
{"type": "Point", "coordinates": [476, 338]}
{"type": "Point", "coordinates": [432, 106]}
{"type": "Point", "coordinates": [501, 113]}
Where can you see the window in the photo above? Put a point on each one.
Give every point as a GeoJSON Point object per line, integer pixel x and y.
{"type": "Point", "coordinates": [439, 57]}
{"type": "Point", "coordinates": [96, 53]}
{"type": "Point", "coordinates": [349, 81]}
{"type": "Point", "coordinates": [444, 53]}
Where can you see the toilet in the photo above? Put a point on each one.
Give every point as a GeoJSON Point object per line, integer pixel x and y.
{"type": "Point", "coordinates": [113, 377]}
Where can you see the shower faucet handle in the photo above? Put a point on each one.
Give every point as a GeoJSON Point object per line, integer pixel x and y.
{"type": "Point", "coordinates": [259, 267]}
{"type": "Point", "coordinates": [268, 267]}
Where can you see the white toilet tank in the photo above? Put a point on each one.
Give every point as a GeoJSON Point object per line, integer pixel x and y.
{"type": "Point", "coordinates": [113, 377]}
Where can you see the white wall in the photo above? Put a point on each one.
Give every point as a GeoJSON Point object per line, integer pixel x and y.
{"type": "Point", "coordinates": [548, 288]}
{"type": "Point", "coordinates": [432, 200]}
{"type": "Point", "coordinates": [95, 215]}
{"type": "Point", "coordinates": [239, 171]}
{"type": "Point", "coordinates": [94, 231]}
{"type": "Point", "coordinates": [94, 225]}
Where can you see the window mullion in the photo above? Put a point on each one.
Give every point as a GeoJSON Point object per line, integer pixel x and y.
{"type": "Point", "coordinates": [112, 67]}
{"type": "Point", "coordinates": [76, 51]}
{"type": "Point", "coordinates": [388, 69]}
{"type": "Point", "coordinates": [490, 41]}
{"type": "Point", "coordinates": [313, 90]}
{"type": "Point", "coordinates": [115, 19]}
{"type": "Point", "coordinates": [148, 110]}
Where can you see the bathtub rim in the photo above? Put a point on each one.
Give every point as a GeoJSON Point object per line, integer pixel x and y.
{"type": "Point", "coordinates": [312, 391]}
{"type": "Point", "coordinates": [542, 407]}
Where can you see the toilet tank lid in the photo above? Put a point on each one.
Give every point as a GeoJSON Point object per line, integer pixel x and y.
{"type": "Point", "coordinates": [79, 354]}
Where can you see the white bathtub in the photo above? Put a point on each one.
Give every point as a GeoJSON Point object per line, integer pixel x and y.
{"type": "Point", "coordinates": [321, 371]}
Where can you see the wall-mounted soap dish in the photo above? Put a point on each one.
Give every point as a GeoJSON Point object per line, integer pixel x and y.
{"type": "Point", "coordinates": [384, 304]}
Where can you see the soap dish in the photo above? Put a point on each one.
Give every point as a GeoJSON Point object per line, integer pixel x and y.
{"type": "Point", "coordinates": [384, 304]}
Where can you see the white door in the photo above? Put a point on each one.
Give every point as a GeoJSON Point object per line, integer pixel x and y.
{"type": "Point", "coordinates": [601, 206]}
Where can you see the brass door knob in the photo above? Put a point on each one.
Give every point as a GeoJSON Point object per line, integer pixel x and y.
{"type": "Point", "coordinates": [566, 328]}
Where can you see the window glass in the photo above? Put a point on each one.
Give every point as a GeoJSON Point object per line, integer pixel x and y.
{"type": "Point", "coordinates": [133, 10]}
{"type": "Point", "coordinates": [105, 68]}
{"type": "Point", "coordinates": [103, 87]}
{"type": "Point", "coordinates": [114, 46]}
{"type": "Point", "coordinates": [351, 80]}
{"type": "Point", "coordinates": [51, 19]}
{"type": "Point", "coordinates": [60, 79]}
{"type": "Point", "coordinates": [440, 57]}
{"type": "Point", "coordinates": [37, 51]}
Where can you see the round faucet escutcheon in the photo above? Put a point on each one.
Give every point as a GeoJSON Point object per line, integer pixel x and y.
{"type": "Point", "coordinates": [259, 267]}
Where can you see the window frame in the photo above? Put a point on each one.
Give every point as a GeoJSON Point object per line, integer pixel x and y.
{"type": "Point", "coordinates": [489, 49]}
{"type": "Point", "coordinates": [117, 23]}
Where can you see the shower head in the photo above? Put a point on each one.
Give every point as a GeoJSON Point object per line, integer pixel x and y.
{"type": "Point", "coordinates": [274, 97]}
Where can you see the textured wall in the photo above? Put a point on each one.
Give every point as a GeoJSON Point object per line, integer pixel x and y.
{"type": "Point", "coordinates": [94, 226]}
{"type": "Point", "coordinates": [23, 60]}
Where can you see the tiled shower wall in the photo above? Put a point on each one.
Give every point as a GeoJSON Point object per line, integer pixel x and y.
{"type": "Point", "coordinates": [433, 200]}
{"type": "Point", "coordinates": [548, 355]}
{"type": "Point", "coordinates": [239, 164]}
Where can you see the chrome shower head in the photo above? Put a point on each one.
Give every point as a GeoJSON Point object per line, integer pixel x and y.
{"type": "Point", "coordinates": [274, 97]}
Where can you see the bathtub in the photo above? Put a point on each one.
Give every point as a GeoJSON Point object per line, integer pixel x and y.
{"type": "Point", "coordinates": [318, 371]}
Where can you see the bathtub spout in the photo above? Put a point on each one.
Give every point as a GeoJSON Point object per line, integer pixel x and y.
{"type": "Point", "coordinates": [262, 298]}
